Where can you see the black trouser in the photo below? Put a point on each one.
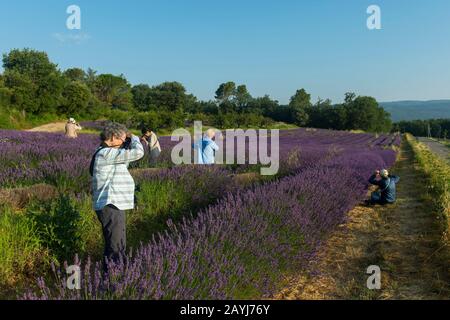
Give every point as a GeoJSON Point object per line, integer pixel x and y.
{"type": "Point", "coordinates": [114, 233]}
{"type": "Point", "coordinates": [376, 198]}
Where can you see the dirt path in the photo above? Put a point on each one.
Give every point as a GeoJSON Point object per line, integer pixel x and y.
{"type": "Point", "coordinates": [437, 147]}
{"type": "Point", "coordinates": [50, 127]}
{"type": "Point", "coordinates": [403, 240]}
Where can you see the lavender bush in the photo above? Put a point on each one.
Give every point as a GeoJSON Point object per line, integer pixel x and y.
{"type": "Point", "coordinates": [33, 157]}
{"type": "Point", "coordinates": [231, 267]}
{"type": "Point", "coordinates": [240, 247]}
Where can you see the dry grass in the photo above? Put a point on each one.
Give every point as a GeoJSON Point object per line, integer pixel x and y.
{"type": "Point", "coordinates": [246, 179]}
{"type": "Point", "coordinates": [50, 127]}
{"type": "Point", "coordinates": [19, 198]}
{"type": "Point", "coordinates": [402, 239]}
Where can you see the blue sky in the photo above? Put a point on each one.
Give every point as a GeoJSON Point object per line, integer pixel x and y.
{"type": "Point", "coordinates": [272, 46]}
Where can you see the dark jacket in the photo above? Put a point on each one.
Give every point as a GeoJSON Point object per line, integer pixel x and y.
{"type": "Point", "coordinates": [387, 187]}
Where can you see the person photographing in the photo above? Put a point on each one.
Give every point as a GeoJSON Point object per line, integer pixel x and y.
{"type": "Point", "coordinates": [386, 183]}
{"type": "Point", "coordinates": [151, 145]}
{"type": "Point", "coordinates": [71, 128]}
{"type": "Point", "coordinates": [112, 185]}
{"type": "Point", "coordinates": [206, 148]}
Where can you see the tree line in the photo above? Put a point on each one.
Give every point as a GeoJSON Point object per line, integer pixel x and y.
{"type": "Point", "coordinates": [436, 128]}
{"type": "Point", "coordinates": [33, 85]}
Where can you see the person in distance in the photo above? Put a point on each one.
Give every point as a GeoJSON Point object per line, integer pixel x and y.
{"type": "Point", "coordinates": [71, 128]}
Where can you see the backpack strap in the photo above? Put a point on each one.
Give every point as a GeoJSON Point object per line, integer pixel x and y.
{"type": "Point", "coordinates": [91, 166]}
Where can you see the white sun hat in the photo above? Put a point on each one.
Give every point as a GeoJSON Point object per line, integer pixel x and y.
{"type": "Point", "coordinates": [72, 120]}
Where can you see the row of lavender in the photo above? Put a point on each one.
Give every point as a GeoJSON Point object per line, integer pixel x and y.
{"type": "Point", "coordinates": [174, 192]}
{"type": "Point", "coordinates": [28, 158]}
{"type": "Point", "coordinates": [240, 247]}
{"type": "Point", "coordinates": [55, 226]}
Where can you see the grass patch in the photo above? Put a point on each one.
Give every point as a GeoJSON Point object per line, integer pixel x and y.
{"type": "Point", "coordinates": [21, 250]}
{"type": "Point", "coordinates": [437, 172]}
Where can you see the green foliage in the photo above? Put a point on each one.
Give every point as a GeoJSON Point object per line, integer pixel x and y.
{"type": "Point", "coordinates": [356, 113]}
{"type": "Point", "coordinates": [32, 86]}
{"type": "Point", "coordinates": [324, 115]}
{"type": "Point", "coordinates": [364, 113]}
{"type": "Point", "coordinates": [158, 120]}
{"type": "Point", "coordinates": [438, 174]}
{"type": "Point", "coordinates": [141, 97]}
{"type": "Point", "coordinates": [29, 62]}
{"type": "Point", "coordinates": [232, 99]}
{"type": "Point", "coordinates": [23, 91]}
{"type": "Point", "coordinates": [205, 118]}
{"type": "Point", "coordinates": [46, 232]}
{"type": "Point", "coordinates": [75, 74]}
{"type": "Point", "coordinates": [299, 107]}
{"type": "Point", "coordinates": [241, 120]}
{"type": "Point", "coordinates": [88, 227]}
{"type": "Point", "coordinates": [5, 97]}
{"type": "Point", "coordinates": [151, 119]}
{"type": "Point", "coordinates": [58, 226]}
{"type": "Point", "coordinates": [76, 99]}
{"type": "Point", "coordinates": [157, 201]}
{"type": "Point", "coordinates": [267, 107]}
{"type": "Point", "coordinates": [171, 120]}
{"type": "Point", "coordinates": [242, 97]}
{"type": "Point", "coordinates": [14, 119]}
{"type": "Point", "coordinates": [36, 83]}
{"type": "Point", "coordinates": [95, 109]}
{"type": "Point", "coordinates": [225, 92]}
{"type": "Point", "coordinates": [169, 96]}
{"type": "Point", "coordinates": [439, 128]}
{"type": "Point", "coordinates": [21, 249]}
{"type": "Point", "coordinates": [205, 107]}
{"type": "Point", "coordinates": [113, 90]}
{"type": "Point", "coordinates": [121, 116]}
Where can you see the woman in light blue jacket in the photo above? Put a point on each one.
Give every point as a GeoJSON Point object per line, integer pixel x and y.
{"type": "Point", "coordinates": [206, 148]}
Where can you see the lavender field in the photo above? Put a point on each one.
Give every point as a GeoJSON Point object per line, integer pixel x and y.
{"type": "Point", "coordinates": [197, 232]}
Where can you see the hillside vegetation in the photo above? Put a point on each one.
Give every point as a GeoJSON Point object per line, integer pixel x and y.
{"type": "Point", "coordinates": [33, 91]}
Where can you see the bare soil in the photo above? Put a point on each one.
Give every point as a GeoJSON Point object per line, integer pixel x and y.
{"type": "Point", "coordinates": [50, 127]}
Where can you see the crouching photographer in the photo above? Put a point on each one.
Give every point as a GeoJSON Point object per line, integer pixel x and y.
{"type": "Point", "coordinates": [112, 185]}
{"type": "Point", "coordinates": [386, 184]}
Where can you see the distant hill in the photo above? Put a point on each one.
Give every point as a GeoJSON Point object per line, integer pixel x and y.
{"type": "Point", "coordinates": [417, 110]}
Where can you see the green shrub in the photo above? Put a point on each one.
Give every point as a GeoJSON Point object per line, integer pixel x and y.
{"type": "Point", "coordinates": [21, 250]}
{"type": "Point", "coordinates": [58, 224]}
{"type": "Point", "coordinates": [124, 117]}
{"type": "Point", "coordinates": [14, 119]}
{"type": "Point", "coordinates": [89, 228]}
